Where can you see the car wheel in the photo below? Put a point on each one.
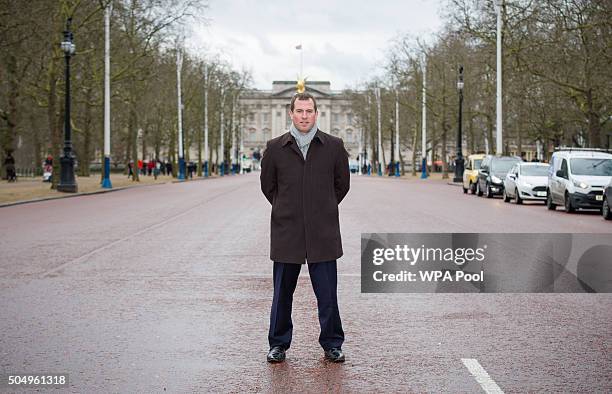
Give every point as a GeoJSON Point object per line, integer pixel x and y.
{"type": "Point", "coordinates": [488, 191]}
{"type": "Point", "coordinates": [506, 196]}
{"type": "Point", "coordinates": [464, 190]}
{"type": "Point", "coordinates": [569, 208]}
{"type": "Point", "coordinates": [472, 188]}
{"type": "Point", "coordinates": [517, 198]}
{"type": "Point", "coordinates": [605, 210]}
{"type": "Point", "coordinates": [549, 202]}
{"type": "Point", "coordinates": [478, 191]}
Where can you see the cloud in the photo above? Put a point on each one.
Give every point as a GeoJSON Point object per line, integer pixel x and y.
{"type": "Point", "coordinates": [266, 46]}
{"type": "Point", "coordinates": [343, 41]}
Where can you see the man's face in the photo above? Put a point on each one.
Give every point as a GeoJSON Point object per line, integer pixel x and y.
{"type": "Point", "coordinates": [303, 115]}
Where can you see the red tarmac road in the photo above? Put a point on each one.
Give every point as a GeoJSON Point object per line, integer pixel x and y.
{"type": "Point", "coordinates": [169, 287]}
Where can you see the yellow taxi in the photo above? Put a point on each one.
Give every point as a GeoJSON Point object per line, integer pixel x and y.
{"type": "Point", "coordinates": [470, 172]}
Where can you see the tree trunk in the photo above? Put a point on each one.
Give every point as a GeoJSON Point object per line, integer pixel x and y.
{"type": "Point", "coordinates": [592, 119]}
{"type": "Point", "coordinates": [144, 142]}
{"type": "Point", "coordinates": [133, 132]}
{"type": "Point", "coordinates": [445, 128]}
{"type": "Point", "coordinates": [7, 139]}
{"type": "Point", "coordinates": [36, 142]}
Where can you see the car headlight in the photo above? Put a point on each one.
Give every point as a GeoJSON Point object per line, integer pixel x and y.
{"type": "Point", "coordinates": [581, 185]}
{"type": "Point", "coordinates": [495, 179]}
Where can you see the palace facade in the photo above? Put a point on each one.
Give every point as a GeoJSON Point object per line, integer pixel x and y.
{"type": "Point", "coordinates": [266, 114]}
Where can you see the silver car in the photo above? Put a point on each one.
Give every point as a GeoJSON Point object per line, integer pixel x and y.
{"type": "Point", "coordinates": [526, 181]}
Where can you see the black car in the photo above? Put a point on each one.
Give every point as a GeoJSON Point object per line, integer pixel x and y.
{"type": "Point", "coordinates": [493, 170]}
{"type": "Point", "coordinates": [606, 209]}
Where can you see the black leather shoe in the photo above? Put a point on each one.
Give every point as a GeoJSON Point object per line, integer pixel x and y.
{"type": "Point", "coordinates": [276, 355]}
{"type": "Point", "coordinates": [334, 355]}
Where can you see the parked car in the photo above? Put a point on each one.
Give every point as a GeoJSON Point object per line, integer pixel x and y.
{"type": "Point", "coordinates": [492, 172]}
{"type": "Point", "coordinates": [577, 178]}
{"type": "Point", "coordinates": [526, 181]}
{"type": "Point", "coordinates": [353, 166]}
{"type": "Point", "coordinates": [606, 209]}
{"type": "Point", "coordinates": [470, 173]}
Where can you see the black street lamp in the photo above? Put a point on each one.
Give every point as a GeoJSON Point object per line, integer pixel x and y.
{"type": "Point", "coordinates": [459, 160]}
{"type": "Point", "coordinates": [67, 182]}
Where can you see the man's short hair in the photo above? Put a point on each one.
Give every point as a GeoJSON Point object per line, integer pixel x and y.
{"type": "Point", "coordinates": [304, 97]}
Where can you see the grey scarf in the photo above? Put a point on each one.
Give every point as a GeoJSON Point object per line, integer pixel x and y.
{"type": "Point", "coordinates": [303, 139]}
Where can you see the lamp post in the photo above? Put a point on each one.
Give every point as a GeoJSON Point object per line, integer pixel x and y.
{"type": "Point", "coordinates": [366, 163]}
{"type": "Point", "coordinates": [181, 153]}
{"type": "Point", "coordinates": [459, 160]}
{"type": "Point", "coordinates": [206, 149]}
{"type": "Point", "coordinates": [222, 133]}
{"type": "Point", "coordinates": [499, 120]}
{"type": "Point", "coordinates": [424, 122]}
{"type": "Point", "coordinates": [380, 155]}
{"type": "Point", "coordinates": [67, 182]}
{"type": "Point", "coordinates": [106, 182]}
{"type": "Point", "coordinates": [233, 156]}
{"type": "Point", "coordinates": [397, 147]}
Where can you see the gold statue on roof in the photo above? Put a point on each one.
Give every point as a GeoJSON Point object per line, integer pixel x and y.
{"type": "Point", "coordinates": [301, 85]}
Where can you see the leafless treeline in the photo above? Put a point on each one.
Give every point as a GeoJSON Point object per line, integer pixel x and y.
{"type": "Point", "coordinates": [145, 35]}
{"type": "Point", "coordinates": [557, 79]}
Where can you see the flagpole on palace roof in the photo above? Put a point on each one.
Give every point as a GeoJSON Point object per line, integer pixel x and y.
{"type": "Point", "coordinates": [299, 48]}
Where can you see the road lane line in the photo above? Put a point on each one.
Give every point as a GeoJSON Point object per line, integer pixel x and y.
{"type": "Point", "coordinates": [482, 377]}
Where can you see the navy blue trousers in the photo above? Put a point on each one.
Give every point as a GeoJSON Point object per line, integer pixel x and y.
{"type": "Point", "coordinates": [324, 280]}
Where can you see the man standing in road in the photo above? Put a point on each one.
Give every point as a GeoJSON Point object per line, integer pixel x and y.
{"type": "Point", "coordinates": [305, 175]}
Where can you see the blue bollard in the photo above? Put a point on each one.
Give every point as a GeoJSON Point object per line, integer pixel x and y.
{"type": "Point", "coordinates": [106, 182]}
{"type": "Point", "coordinates": [424, 169]}
{"type": "Point", "coordinates": [181, 174]}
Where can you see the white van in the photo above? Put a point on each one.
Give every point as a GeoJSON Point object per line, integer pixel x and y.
{"type": "Point", "coordinates": [577, 178]}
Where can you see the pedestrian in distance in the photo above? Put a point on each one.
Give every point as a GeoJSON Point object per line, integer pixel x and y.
{"type": "Point", "coordinates": [9, 166]}
{"type": "Point", "coordinates": [157, 169]}
{"type": "Point", "coordinates": [305, 175]}
{"type": "Point", "coordinates": [48, 169]}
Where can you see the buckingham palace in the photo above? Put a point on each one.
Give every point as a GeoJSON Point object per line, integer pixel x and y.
{"type": "Point", "coordinates": [267, 114]}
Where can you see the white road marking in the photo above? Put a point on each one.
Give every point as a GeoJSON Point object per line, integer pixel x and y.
{"type": "Point", "coordinates": [482, 377]}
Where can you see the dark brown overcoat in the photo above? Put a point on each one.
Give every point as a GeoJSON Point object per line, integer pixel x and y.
{"type": "Point", "coordinates": [305, 195]}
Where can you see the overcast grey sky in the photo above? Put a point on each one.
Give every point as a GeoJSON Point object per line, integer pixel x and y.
{"type": "Point", "coordinates": [343, 41]}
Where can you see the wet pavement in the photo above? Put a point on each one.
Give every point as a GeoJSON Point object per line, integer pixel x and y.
{"type": "Point", "coordinates": [168, 288]}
